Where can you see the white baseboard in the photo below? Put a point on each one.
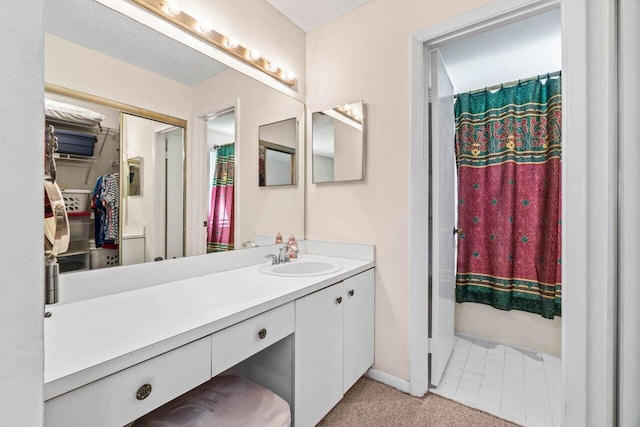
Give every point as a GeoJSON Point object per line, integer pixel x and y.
{"type": "Point", "coordinates": [384, 378]}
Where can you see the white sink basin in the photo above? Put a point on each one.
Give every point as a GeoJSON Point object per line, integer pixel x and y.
{"type": "Point", "coordinates": [300, 269]}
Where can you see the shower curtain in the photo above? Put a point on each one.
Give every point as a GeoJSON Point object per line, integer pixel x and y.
{"type": "Point", "coordinates": [221, 221]}
{"type": "Point", "coordinates": [508, 154]}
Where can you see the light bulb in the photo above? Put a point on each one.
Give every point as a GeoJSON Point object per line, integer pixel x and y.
{"type": "Point", "coordinates": [272, 67]}
{"type": "Point", "coordinates": [174, 8]}
{"type": "Point", "coordinates": [254, 54]}
{"type": "Point", "coordinates": [289, 75]}
{"type": "Point", "coordinates": [232, 42]}
{"type": "Point", "coordinates": [204, 26]}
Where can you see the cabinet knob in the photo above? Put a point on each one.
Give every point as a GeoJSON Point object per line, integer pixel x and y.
{"type": "Point", "coordinates": [339, 300]}
{"type": "Point", "coordinates": [143, 392]}
{"type": "Point", "coordinates": [262, 334]}
{"type": "Point", "coordinates": [351, 292]}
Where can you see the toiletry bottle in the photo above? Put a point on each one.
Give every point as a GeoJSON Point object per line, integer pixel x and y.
{"type": "Point", "coordinates": [278, 237]}
{"type": "Point", "coordinates": [293, 247]}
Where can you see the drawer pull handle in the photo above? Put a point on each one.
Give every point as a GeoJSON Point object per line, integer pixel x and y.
{"type": "Point", "coordinates": [262, 334]}
{"type": "Point", "coordinates": [351, 292]}
{"type": "Point", "coordinates": [143, 392]}
{"type": "Point", "coordinates": [339, 300]}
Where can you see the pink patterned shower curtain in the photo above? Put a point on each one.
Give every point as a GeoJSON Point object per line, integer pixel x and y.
{"type": "Point", "coordinates": [221, 215]}
{"type": "Point", "coordinates": [508, 152]}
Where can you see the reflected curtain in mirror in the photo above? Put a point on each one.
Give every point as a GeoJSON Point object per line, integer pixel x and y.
{"type": "Point", "coordinates": [220, 224]}
{"type": "Point", "coordinates": [508, 148]}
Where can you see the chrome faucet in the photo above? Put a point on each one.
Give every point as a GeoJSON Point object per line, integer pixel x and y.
{"type": "Point", "coordinates": [281, 257]}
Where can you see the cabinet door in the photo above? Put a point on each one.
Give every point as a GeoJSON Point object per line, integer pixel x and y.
{"type": "Point", "coordinates": [133, 251]}
{"type": "Point", "coordinates": [318, 354]}
{"type": "Point", "coordinates": [358, 327]}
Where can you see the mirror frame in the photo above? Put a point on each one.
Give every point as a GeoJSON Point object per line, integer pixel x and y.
{"type": "Point", "coordinates": [364, 146]}
{"type": "Point", "coordinates": [140, 112]}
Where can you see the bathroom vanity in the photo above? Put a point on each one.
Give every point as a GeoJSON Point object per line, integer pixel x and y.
{"type": "Point", "coordinates": [112, 358]}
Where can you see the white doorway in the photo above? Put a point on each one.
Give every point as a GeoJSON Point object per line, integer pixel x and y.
{"type": "Point", "coordinates": [498, 356]}
{"type": "Point", "coordinates": [153, 226]}
{"type": "Point", "coordinates": [492, 16]}
{"type": "Point", "coordinates": [171, 164]}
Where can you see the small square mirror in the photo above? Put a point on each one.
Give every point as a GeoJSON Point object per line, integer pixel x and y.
{"type": "Point", "coordinates": [338, 143]}
{"type": "Point", "coordinates": [134, 183]}
{"type": "Point", "coordinates": [277, 153]}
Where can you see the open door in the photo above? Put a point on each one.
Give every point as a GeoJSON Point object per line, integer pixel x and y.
{"type": "Point", "coordinates": [443, 178]}
{"type": "Point", "coordinates": [174, 231]}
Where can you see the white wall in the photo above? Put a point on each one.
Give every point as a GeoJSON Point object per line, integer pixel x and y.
{"type": "Point", "coordinates": [259, 210]}
{"type": "Point", "coordinates": [281, 133]}
{"type": "Point", "coordinates": [21, 284]}
{"type": "Point", "coordinates": [365, 55]}
{"type": "Point", "coordinates": [277, 168]}
{"type": "Point", "coordinates": [322, 168]}
{"type": "Point", "coordinates": [520, 329]}
{"type": "Point", "coordinates": [348, 146]}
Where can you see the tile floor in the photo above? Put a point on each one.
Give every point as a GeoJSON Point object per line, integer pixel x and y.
{"type": "Point", "coordinates": [517, 385]}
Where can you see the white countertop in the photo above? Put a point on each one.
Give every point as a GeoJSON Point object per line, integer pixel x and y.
{"type": "Point", "coordinates": [90, 339]}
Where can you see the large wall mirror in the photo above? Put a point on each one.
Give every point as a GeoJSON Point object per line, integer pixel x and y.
{"type": "Point", "coordinates": [182, 185]}
{"type": "Point", "coordinates": [338, 143]}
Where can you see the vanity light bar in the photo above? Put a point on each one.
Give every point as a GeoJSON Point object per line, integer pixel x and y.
{"type": "Point", "coordinates": [346, 111]}
{"type": "Point", "coordinates": [172, 12]}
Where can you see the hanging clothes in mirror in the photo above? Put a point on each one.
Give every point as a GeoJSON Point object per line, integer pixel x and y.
{"type": "Point", "coordinates": [105, 203]}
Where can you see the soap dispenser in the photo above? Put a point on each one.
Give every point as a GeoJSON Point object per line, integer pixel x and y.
{"type": "Point", "coordinates": [278, 238]}
{"type": "Point", "coordinates": [293, 247]}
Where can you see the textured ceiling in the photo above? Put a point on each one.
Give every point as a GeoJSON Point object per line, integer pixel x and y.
{"type": "Point", "coordinates": [102, 29]}
{"type": "Point", "coordinates": [309, 14]}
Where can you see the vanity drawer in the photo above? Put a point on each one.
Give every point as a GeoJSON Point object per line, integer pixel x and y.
{"type": "Point", "coordinates": [242, 340]}
{"type": "Point", "coordinates": [113, 401]}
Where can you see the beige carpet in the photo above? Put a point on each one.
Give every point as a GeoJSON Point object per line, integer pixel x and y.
{"type": "Point", "coordinates": [370, 403]}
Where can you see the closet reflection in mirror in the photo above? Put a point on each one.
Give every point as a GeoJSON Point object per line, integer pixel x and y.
{"type": "Point", "coordinates": [134, 172]}
{"type": "Point", "coordinates": [122, 208]}
{"type": "Point", "coordinates": [277, 153]}
{"type": "Point", "coordinates": [338, 143]}
{"type": "Point", "coordinates": [88, 166]}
